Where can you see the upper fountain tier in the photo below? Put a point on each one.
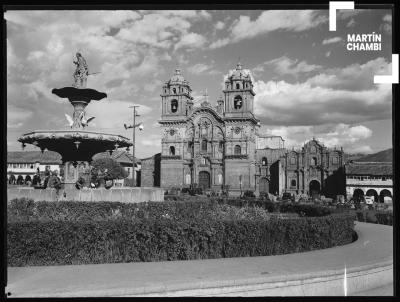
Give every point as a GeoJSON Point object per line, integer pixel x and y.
{"type": "Point", "coordinates": [78, 94]}
{"type": "Point", "coordinates": [76, 144]}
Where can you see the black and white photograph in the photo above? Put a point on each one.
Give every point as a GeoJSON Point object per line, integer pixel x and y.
{"type": "Point", "coordinates": [181, 152]}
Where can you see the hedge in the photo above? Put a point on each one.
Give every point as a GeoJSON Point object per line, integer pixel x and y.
{"type": "Point", "coordinates": [27, 210]}
{"type": "Point", "coordinates": [111, 241]}
{"type": "Point", "coordinates": [371, 216]}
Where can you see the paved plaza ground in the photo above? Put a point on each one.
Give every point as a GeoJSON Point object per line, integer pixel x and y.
{"type": "Point", "coordinates": [310, 273]}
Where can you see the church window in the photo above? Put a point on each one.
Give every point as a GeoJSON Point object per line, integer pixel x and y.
{"type": "Point", "coordinates": [174, 90]}
{"type": "Point", "coordinates": [220, 179]}
{"type": "Point", "coordinates": [237, 102]}
{"type": "Point", "coordinates": [313, 161]}
{"type": "Point", "coordinates": [172, 150]}
{"type": "Point", "coordinates": [237, 150]}
{"type": "Point", "coordinates": [204, 145]}
{"type": "Point", "coordinates": [174, 106]}
{"type": "Point", "coordinates": [293, 183]}
{"type": "Point", "coordinates": [237, 86]}
{"type": "Point", "coordinates": [187, 179]}
{"type": "Point", "coordinates": [264, 161]}
{"type": "Point", "coordinates": [313, 149]}
{"type": "Point", "coordinates": [221, 146]}
{"type": "Point", "coordinates": [335, 160]}
{"type": "Point", "coordinates": [292, 160]}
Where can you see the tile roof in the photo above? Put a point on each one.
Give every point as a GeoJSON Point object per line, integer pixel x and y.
{"type": "Point", "coordinates": [47, 157]}
{"type": "Point", "coordinates": [369, 168]}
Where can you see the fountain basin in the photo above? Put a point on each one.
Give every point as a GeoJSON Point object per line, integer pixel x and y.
{"type": "Point", "coordinates": [72, 93]}
{"type": "Point", "coordinates": [75, 145]}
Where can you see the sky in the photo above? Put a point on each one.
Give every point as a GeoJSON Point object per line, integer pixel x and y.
{"type": "Point", "coordinates": [307, 83]}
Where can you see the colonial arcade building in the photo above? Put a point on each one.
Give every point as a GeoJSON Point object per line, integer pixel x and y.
{"type": "Point", "coordinates": [217, 147]}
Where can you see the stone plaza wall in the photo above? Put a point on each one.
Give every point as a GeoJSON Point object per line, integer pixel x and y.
{"type": "Point", "coordinates": [128, 195]}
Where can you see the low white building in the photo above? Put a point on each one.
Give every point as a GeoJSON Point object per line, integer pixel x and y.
{"type": "Point", "coordinates": [23, 165]}
{"type": "Point", "coordinates": [369, 179]}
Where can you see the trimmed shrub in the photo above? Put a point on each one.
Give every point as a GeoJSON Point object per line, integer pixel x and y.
{"type": "Point", "coordinates": [27, 210]}
{"type": "Point", "coordinates": [384, 217]}
{"type": "Point", "coordinates": [79, 242]}
{"type": "Point", "coordinates": [372, 216]}
{"type": "Point", "coordinates": [248, 193]}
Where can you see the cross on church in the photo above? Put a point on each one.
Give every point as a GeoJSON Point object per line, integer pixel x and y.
{"type": "Point", "coordinates": [205, 96]}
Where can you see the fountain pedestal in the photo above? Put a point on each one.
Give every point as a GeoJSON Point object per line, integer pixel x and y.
{"type": "Point", "coordinates": [73, 171]}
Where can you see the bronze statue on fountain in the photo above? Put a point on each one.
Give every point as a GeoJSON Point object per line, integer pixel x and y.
{"type": "Point", "coordinates": [76, 146]}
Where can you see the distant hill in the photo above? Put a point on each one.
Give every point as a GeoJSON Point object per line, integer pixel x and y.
{"type": "Point", "coordinates": [353, 157]}
{"type": "Point", "coordinates": [382, 156]}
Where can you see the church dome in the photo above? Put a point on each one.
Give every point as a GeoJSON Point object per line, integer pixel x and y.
{"type": "Point", "coordinates": [239, 72]}
{"type": "Point", "coordinates": [177, 77]}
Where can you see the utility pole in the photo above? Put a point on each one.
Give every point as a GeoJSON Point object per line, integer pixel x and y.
{"type": "Point", "coordinates": [134, 144]}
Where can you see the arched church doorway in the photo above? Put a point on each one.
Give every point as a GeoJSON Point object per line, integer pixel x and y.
{"type": "Point", "coordinates": [204, 180]}
{"type": "Point", "coordinates": [315, 188]}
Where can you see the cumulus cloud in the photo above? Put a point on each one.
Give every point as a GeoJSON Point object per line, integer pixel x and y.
{"type": "Point", "coordinates": [387, 24]}
{"type": "Point", "coordinates": [153, 140]}
{"type": "Point", "coordinates": [351, 23]}
{"type": "Point", "coordinates": [219, 43]}
{"type": "Point", "coordinates": [16, 116]}
{"type": "Point", "coordinates": [291, 20]}
{"type": "Point", "coordinates": [285, 65]}
{"type": "Point", "coordinates": [191, 40]}
{"type": "Point", "coordinates": [113, 114]}
{"type": "Point", "coordinates": [220, 25]}
{"type": "Point", "coordinates": [272, 20]}
{"type": "Point", "coordinates": [352, 77]}
{"type": "Point", "coordinates": [201, 68]}
{"type": "Point", "coordinates": [350, 137]}
{"type": "Point", "coordinates": [331, 40]}
{"type": "Point", "coordinates": [336, 96]}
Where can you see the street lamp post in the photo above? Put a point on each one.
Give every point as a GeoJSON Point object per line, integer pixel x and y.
{"type": "Point", "coordinates": [240, 183]}
{"type": "Point", "coordinates": [133, 126]}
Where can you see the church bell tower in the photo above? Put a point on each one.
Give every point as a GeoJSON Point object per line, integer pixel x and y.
{"type": "Point", "coordinates": [177, 101]}
{"type": "Point", "coordinates": [239, 94]}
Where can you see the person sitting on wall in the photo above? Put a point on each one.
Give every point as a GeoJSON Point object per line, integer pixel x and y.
{"type": "Point", "coordinates": [80, 183]}
{"type": "Point", "coordinates": [54, 182]}
{"type": "Point", "coordinates": [108, 181]}
{"type": "Point", "coordinates": [11, 181]}
{"type": "Point", "coordinates": [36, 180]}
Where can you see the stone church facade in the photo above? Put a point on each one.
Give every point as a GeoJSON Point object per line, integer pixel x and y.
{"type": "Point", "coordinates": [215, 147]}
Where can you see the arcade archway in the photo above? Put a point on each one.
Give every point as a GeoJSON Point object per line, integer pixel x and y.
{"type": "Point", "coordinates": [372, 192]}
{"type": "Point", "coordinates": [384, 193]}
{"type": "Point", "coordinates": [358, 194]}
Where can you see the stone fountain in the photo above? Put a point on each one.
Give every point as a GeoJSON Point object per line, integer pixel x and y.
{"type": "Point", "coordinates": [76, 145]}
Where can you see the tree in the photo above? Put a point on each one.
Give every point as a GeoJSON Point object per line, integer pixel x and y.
{"type": "Point", "coordinates": [107, 169]}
